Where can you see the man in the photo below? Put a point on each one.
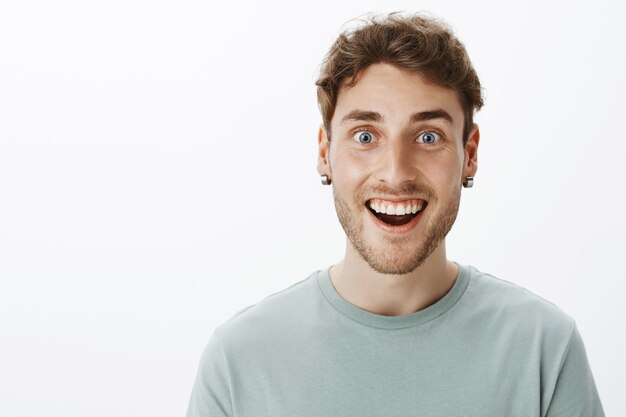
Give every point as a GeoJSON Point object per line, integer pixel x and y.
{"type": "Point", "coordinates": [395, 328]}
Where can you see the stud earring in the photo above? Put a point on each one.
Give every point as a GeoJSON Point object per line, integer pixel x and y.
{"type": "Point", "coordinates": [469, 182]}
{"type": "Point", "coordinates": [326, 180]}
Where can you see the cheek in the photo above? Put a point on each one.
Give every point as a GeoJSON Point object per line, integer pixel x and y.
{"type": "Point", "coordinates": [442, 172]}
{"type": "Point", "coordinates": [347, 166]}
{"type": "Point", "coordinates": [349, 174]}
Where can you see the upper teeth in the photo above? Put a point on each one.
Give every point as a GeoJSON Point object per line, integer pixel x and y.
{"type": "Point", "coordinates": [396, 208]}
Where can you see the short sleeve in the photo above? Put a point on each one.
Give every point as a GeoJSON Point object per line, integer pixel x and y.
{"type": "Point", "coordinates": [210, 396]}
{"type": "Point", "coordinates": [575, 393]}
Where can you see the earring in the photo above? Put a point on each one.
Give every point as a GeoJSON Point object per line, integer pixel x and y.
{"type": "Point", "coordinates": [326, 180]}
{"type": "Point", "coordinates": [469, 182]}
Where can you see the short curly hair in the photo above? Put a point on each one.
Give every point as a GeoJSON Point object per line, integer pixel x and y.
{"type": "Point", "coordinates": [416, 43]}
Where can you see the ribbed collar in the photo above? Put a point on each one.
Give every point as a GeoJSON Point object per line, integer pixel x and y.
{"type": "Point", "coordinates": [393, 322]}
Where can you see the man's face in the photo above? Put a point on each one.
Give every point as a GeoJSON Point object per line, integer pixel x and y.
{"type": "Point", "coordinates": [397, 161]}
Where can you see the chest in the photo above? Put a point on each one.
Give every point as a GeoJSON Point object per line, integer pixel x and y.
{"type": "Point", "coordinates": [376, 376]}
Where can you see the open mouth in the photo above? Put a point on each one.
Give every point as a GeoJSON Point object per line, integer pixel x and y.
{"type": "Point", "coordinates": [396, 213]}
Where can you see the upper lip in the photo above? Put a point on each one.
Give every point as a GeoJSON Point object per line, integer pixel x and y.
{"type": "Point", "coordinates": [396, 199]}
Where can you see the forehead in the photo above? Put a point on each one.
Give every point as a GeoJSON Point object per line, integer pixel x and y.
{"type": "Point", "coordinates": [396, 94]}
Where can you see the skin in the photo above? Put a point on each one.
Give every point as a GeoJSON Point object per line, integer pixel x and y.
{"type": "Point", "coordinates": [386, 273]}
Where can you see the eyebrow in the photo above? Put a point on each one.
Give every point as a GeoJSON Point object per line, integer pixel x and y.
{"type": "Point", "coordinates": [372, 116]}
{"type": "Point", "coordinates": [430, 115]}
{"type": "Point", "coordinates": [363, 115]}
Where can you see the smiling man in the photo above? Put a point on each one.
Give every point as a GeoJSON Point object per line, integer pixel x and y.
{"type": "Point", "coordinates": [397, 162]}
{"type": "Point", "coordinates": [395, 328]}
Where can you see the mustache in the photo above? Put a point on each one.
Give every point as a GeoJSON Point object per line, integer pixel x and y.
{"type": "Point", "coordinates": [407, 189]}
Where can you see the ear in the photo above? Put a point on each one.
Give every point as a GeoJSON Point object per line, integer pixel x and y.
{"type": "Point", "coordinates": [470, 162]}
{"type": "Point", "coordinates": [323, 161]}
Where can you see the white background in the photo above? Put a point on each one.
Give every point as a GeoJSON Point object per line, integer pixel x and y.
{"type": "Point", "coordinates": [157, 175]}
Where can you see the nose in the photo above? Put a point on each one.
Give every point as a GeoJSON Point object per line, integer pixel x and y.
{"type": "Point", "coordinates": [396, 165]}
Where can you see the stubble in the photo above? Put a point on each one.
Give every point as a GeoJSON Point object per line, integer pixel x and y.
{"type": "Point", "coordinates": [398, 255]}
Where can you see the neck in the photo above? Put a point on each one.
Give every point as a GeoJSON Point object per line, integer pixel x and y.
{"type": "Point", "coordinates": [393, 295]}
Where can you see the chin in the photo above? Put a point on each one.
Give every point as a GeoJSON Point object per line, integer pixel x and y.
{"type": "Point", "coordinates": [390, 261]}
{"type": "Point", "coordinates": [393, 268]}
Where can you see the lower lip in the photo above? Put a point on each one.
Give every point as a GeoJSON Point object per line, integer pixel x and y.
{"type": "Point", "coordinates": [396, 230]}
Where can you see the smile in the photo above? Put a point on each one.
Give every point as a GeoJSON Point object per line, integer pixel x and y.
{"type": "Point", "coordinates": [396, 216]}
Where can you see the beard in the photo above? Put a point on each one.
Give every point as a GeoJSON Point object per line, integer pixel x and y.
{"type": "Point", "coordinates": [398, 255]}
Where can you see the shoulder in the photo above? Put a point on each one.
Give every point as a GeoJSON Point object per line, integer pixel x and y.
{"type": "Point", "coordinates": [274, 314]}
{"type": "Point", "coordinates": [507, 304]}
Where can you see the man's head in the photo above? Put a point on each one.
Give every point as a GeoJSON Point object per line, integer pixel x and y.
{"type": "Point", "coordinates": [398, 97]}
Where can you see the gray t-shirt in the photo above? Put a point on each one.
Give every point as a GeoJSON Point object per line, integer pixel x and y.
{"type": "Point", "coordinates": [487, 348]}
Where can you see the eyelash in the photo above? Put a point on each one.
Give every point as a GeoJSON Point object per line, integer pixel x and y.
{"type": "Point", "coordinates": [353, 133]}
{"type": "Point", "coordinates": [362, 129]}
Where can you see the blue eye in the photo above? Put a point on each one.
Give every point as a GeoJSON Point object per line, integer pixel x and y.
{"type": "Point", "coordinates": [429, 137]}
{"type": "Point", "coordinates": [364, 137]}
